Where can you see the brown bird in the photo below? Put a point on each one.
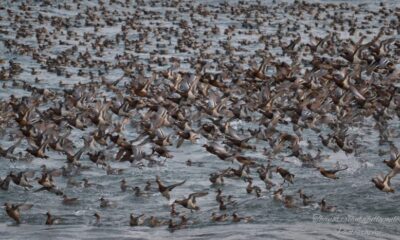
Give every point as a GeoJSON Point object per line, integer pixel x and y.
{"type": "Point", "coordinates": [69, 201]}
{"type": "Point", "coordinates": [97, 215]}
{"type": "Point", "coordinates": [190, 202]}
{"type": "Point", "coordinates": [220, 218]}
{"type": "Point", "coordinates": [394, 157]}
{"type": "Point", "coordinates": [278, 195]}
{"type": "Point", "coordinates": [13, 210]}
{"type": "Point", "coordinates": [21, 178]}
{"type": "Point", "coordinates": [4, 184]}
{"type": "Point", "coordinates": [48, 185]}
{"type": "Point", "coordinates": [289, 202]}
{"type": "Point", "coordinates": [383, 184]}
{"type": "Point", "coordinates": [6, 152]}
{"type": "Point", "coordinates": [154, 222]}
{"type": "Point", "coordinates": [285, 174]}
{"type": "Point", "coordinates": [136, 221]}
{"type": "Point", "coordinates": [165, 190]}
{"type": "Point", "coordinates": [123, 185]}
{"type": "Point", "coordinates": [217, 178]}
{"type": "Point", "coordinates": [326, 208]}
{"type": "Point", "coordinates": [105, 203]}
{"type": "Point", "coordinates": [219, 151]}
{"type": "Point", "coordinates": [236, 218]}
{"type": "Point", "coordinates": [330, 173]}
{"type": "Point", "coordinates": [188, 135]}
{"type": "Point", "coordinates": [39, 151]}
{"type": "Point", "coordinates": [265, 174]}
{"type": "Point", "coordinates": [148, 186]}
{"type": "Point", "coordinates": [173, 211]}
{"type": "Point", "coordinates": [172, 225]}
{"type": "Point", "coordinates": [51, 220]}
{"type": "Point", "coordinates": [306, 199]}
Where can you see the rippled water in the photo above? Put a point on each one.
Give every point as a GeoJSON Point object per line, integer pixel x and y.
{"type": "Point", "coordinates": [353, 193]}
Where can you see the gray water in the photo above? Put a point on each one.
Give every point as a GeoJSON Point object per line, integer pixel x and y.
{"type": "Point", "coordinates": [353, 193]}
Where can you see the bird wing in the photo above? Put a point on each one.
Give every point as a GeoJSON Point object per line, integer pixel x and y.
{"type": "Point", "coordinates": [356, 93]}
{"type": "Point", "coordinates": [24, 206]}
{"type": "Point", "coordinates": [337, 170]}
{"type": "Point", "coordinates": [198, 194]}
{"type": "Point", "coordinates": [175, 185]}
{"type": "Point", "coordinates": [78, 154]}
{"type": "Point", "coordinates": [394, 153]}
{"type": "Point", "coordinates": [220, 149]}
{"type": "Point", "coordinates": [379, 178]}
{"type": "Point", "coordinates": [55, 191]}
{"type": "Point", "coordinates": [11, 149]}
{"type": "Point", "coordinates": [179, 143]}
{"type": "Point", "coordinates": [387, 179]}
{"type": "Point", "coordinates": [5, 183]}
{"type": "Point", "coordinates": [121, 153]}
{"type": "Point", "coordinates": [55, 172]}
{"type": "Point", "coordinates": [29, 174]}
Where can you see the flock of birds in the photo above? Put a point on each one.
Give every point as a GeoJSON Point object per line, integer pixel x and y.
{"type": "Point", "coordinates": [199, 82]}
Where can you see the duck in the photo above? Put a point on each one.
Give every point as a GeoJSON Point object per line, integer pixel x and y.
{"type": "Point", "coordinates": [98, 218]}
{"type": "Point", "coordinates": [383, 184]}
{"type": "Point", "coordinates": [306, 199]}
{"type": "Point", "coordinates": [236, 218]}
{"type": "Point", "coordinates": [154, 222]}
{"type": "Point", "coordinates": [285, 174]}
{"type": "Point", "coordinates": [278, 195]}
{"type": "Point", "coordinates": [105, 203]}
{"type": "Point", "coordinates": [21, 178]}
{"type": "Point", "coordinates": [190, 201]}
{"type": "Point", "coordinates": [69, 201]}
{"type": "Point", "coordinates": [136, 220]}
{"type": "Point", "coordinates": [327, 208]}
{"type": "Point", "coordinates": [51, 220]}
{"type": "Point", "coordinates": [165, 190]}
{"type": "Point", "coordinates": [289, 202]}
{"type": "Point", "coordinates": [330, 173]}
{"type": "Point", "coordinates": [13, 210]}
{"type": "Point", "coordinates": [5, 183]}
{"type": "Point", "coordinates": [6, 153]}
{"type": "Point", "coordinates": [123, 185]}
{"type": "Point", "coordinates": [173, 211]}
{"type": "Point", "coordinates": [219, 218]}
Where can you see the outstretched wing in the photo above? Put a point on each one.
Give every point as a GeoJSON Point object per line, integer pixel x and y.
{"type": "Point", "coordinates": [394, 153]}
{"type": "Point", "coordinates": [337, 170]}
{"type": "Point", "coordinates": [24, 206]}
{"type": "Point", "coordinates": [175, 185]}
{"type": "Point", "coordinates": [55, 172]}
{"type": "Point", "coordinates": [11, 149]}
{"type": "Point", "coordinates": [356, 93]}
{"type": "Point", "coordinates": [29, 174]}
{"type": "Point", "coordinates": [198, 194]}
